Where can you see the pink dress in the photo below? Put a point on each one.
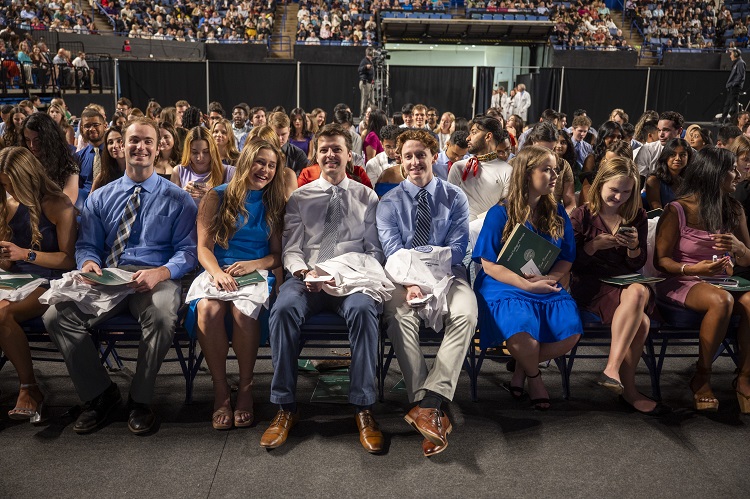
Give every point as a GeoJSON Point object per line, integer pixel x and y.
{"type": "Point", "coordinates": [693, 246]}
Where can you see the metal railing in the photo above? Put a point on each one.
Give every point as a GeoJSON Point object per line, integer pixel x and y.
{"type": "Point", "coordinates": [56, 78]}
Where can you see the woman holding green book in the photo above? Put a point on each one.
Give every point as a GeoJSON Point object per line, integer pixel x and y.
{"type": "Point", "coordinates": [533, 314]}
{"type": "Point", "coordinates": [239, 231]}
{"type": "Point", "coordinates": [611, 230]}
{"type": "Point", "coordinates": [37, 236]}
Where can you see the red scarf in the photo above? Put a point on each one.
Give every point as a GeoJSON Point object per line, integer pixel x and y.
{"type": "Point", "coordinates": [472, 165]}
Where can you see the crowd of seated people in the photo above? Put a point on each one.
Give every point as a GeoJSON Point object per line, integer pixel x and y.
{"type": "Point", "coordinates": [202, 191]}
{"type": "Point", "coordinates": [586, 25]}
{"type": "Point", "coordinates": [691, 25]}
{"type": "Point", "coordinates": [65, 17]}
{"type": "Point", "coordinates": [348, 25]}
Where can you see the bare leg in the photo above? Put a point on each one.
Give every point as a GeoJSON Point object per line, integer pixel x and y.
{"type": "Point", "coordinates": [212, 337]}
{"type": "Point", "coordinates": [16, 347]}
{"type": "Point", "coordinates": [629, 365]}
{"type": "Point", "coordinates": [626, 323]}
{"type": "Point", "coordinates": [742, 306]}
{"type": "Point", "coordinates": [525, 349]}
{"type": "Point", "coordinates": [245, 343]}
{"type": "Point", "coordinates": [717, 304]}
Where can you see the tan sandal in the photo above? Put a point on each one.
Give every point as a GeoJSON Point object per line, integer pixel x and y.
{"type": "Point", "coordinates": [742, 399]}
{"type": "Point", "coordinates": [218, 415]}
{"type": "Point", "coordinates": [704, 400]}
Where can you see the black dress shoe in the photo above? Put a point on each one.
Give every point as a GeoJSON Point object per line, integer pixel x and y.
{"type": "Point", "coordinates": [94, 412]}
{"type": "Point", "coordinates": [657, 412]}
{"type": "Point", "coordinates": [140, 418]}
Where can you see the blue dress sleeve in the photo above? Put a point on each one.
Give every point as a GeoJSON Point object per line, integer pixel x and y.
{"type": "Point", "coordinates": [490, 240]}
{"type": "Point", "coordinates": [568, 246]}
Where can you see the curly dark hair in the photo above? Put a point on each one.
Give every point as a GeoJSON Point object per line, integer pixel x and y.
{"type": "Point", "coordinates": [55, 156]}
{"type": "Point", "coordinates": [11, 135]}
{"type": "Point", "coordinates": [191, 118]}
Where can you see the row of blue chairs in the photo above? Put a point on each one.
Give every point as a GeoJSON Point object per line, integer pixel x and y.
{"type": "Point", "coordinates": [326, 330]}
{"type": "Point", "coordinates": [506, 17]}
{"type": "Point", "coordinates": [414, 15]}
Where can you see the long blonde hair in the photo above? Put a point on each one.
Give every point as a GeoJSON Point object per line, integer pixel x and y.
{"type": "Point", "coordinates": [611, 169]}
{"type": "Point", "coordinates": [30, 186]}
{"type": "Point", "coordinates": [232, 210]}
{"type": "Point", "coordinates": [517, 202]}
{"type": "Point", "coordinates": [216, 175]}
{"type": "Point", "coordinates": [232, 152]}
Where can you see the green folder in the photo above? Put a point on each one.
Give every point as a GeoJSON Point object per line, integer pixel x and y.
{"type": "Point", "coordinates": [253, 277]}
{"type": "Point", "coordinates": [108, 278]}
{"type": "Point", "coordinates": [524, 246]}
{"type": "Point", "coordinates": [729, 283]}
{"type": "Point", "coordinates": [625, 280]}
{"type": "Point", "coordinates": [14, 281]}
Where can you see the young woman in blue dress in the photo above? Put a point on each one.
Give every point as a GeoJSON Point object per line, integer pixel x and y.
{"type": "Point", "coordinates": [533, 314]}
{"type": "Point", "coordinates": [239, 231]}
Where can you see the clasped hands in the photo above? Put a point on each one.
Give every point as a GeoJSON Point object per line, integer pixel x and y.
{"type": "Point", "coordinates": [225, 278]}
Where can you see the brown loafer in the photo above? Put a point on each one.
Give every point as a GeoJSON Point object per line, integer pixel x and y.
{"type": "Point", "coordinates": [370, 435]}
{"type": "Point", "coordinates": [430, 424]}
{"type": "Point", "coordinates": [279, 428]}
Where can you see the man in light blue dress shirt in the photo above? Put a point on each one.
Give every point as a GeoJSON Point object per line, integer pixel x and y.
{"type": "Point", "coordinates": [160, 249]}
{"type": "Point", "coordinates": [93, 125]}
{"type": "Point", "coordinates": [397, 216]}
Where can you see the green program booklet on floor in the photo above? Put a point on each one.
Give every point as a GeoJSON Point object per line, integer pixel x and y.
{"type": "Point", "coordinates": [526, 252]}
{"type": "Point", "coordinates": [332, 389]}
{"type": "Point", "coordinates": [16, 281]}
{"type": "Point", "coordinates": [624, 280]}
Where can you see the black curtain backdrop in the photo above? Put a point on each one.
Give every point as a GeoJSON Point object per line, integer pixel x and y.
{"type": "Point", "coordinates": [697, 95]}
{"type": "Point", "coordinates": [446, 88]}
{"type": "Point", "coordinates": [598, 91]}
{"type": "Point", "coordinates": [485, 81]}
{"type": "Point", "coordinates": [325, 85]}
{"type": "Point", "coordinates": [167, 82]}
{"type": "Point", "coordinates": [267, 85]}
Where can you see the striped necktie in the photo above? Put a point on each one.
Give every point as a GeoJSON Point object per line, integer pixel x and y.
{"type": "Point", "coordinates": [97, 163]}
{"type": "Point", "coordinates": [331, 226]}
{"type": "Point", "coordinates": [123, 230]}
{"type": "Point", "coordinates": [424, 223]}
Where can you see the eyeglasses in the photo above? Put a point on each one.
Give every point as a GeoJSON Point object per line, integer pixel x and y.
{"type": "Point", "coordinates": [89, 126]}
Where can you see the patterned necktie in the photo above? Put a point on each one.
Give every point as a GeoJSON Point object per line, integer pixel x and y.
{"type": "Point", "coordinates": [424, 222]}
{"type": "Point", "coordinates": [331, 226]}
{"type": "Point", "coordinates": [97, 162]}
{"type": "Point", "coordinates": [123, 230]}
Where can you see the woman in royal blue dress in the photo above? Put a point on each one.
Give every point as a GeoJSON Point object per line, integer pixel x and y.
{"type": "Point", "coordinates": [534, 315]}
{"type": "Point", "coordinates": [239, 231]}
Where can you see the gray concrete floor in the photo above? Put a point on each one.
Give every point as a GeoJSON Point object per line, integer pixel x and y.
{"type": "Point", "coordinates": [587, 446]}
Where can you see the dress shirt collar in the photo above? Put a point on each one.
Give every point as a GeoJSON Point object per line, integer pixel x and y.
{"type": "Point", "coordinates": [413, 189]}
{"type": "Point", "coordinates": [326, 185]}
{"type": "Point", "coordinates": [148, 185]}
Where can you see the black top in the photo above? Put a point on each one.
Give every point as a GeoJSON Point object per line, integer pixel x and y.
{"type": "Point", "coordinates": [296, 159]}
{"type": "Point", "coordinates": [366, 74]}
{"type": "Point", "coordinates": [20, 224]}
{"type": "Point", "coordinates": [737, 74]}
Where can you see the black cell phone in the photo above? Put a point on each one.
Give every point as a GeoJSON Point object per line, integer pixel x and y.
{"type": "Point", "coordinates": [625, 229]}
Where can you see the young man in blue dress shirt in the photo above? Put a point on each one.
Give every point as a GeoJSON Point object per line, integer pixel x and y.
{"type": "Point", "coordinates": [159, 248]}
{"type": "Point", "coordinates": [398, 226]}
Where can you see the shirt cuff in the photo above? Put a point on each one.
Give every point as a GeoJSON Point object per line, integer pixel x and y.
{"type": "Point", "coordinates": [174, 271]}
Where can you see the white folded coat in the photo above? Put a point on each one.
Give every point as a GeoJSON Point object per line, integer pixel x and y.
{"type": "Point", "coordinates": [356, 273]}
{"type": "Point", "coordinates": [92, 300]}
{"type": "Point", "coordinates": [248, 299]}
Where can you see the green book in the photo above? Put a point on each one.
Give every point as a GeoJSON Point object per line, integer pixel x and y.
{"type": "Point", "coordinates": [108, 278]}
{"type": "Point", "coordinates": [526, 252]}
{"type": "Point", "coordinates": [253, 277]}
{"type": "Point", "coordinates": [16, 281]}
{"type": "Point", "coordinates": [624, 280]}
{"type": "Point", "coordinates": [729, 283]}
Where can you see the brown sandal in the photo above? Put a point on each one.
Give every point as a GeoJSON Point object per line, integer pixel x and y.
{"type": "Point", "coordinates": [704, 400]}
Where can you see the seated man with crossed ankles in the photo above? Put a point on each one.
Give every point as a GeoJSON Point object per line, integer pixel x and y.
{"type": "Point", "coordinates": [144, 224]}
{"type": "Point", "coordinates": [425, 210]}
{"type": "Point", "coordinates": [324, 219]}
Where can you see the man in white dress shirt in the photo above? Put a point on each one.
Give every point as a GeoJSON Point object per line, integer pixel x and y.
{"type": "Point", "coordinates": [485, 177]}
{"type": "Point", "coordinates": [669, 127]}
{"type": "Point", "coordinates": [324, 219]}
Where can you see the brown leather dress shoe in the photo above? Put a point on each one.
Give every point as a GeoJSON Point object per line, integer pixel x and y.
{"type": "Point", "coordinates": [430, 424]}
{"type": "Point", "coordinates": [428, 448]}
{"type": "Point", "coordinates": [370, 435]}
{"type": "Point", "coordinates": [279, 428]}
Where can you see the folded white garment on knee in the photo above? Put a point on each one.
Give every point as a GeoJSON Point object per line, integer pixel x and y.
{"type": "Point", "coordinates": [431, 271]}
{"type": "Point", "coordinates": [649, 270]}
{"type": "Point", "coordinates": [248, 299]}
{"type": "Point", "coordinates": [356, 273]}
{"type": "Point", "coordinates": [23, 292]}
{"type": "Point", "coordinates": [92, 300]}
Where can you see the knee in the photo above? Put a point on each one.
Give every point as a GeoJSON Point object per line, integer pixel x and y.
{"type": "Point", "coordinates": [720, 302]}
{"type": "Point", "coordinates": [211, 310]}
{"type": "Point", "coordinates": [638, 294]}
{"type": "Point", "coordinates": [5, 313]}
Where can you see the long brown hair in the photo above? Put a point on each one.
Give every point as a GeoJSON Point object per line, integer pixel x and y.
{"type": "Point", "coordinates": [30, 186]}
{"type": "Point", "coordinates": [517, 202]}
{"type": "Point", "coordinates": [232, 152]}
{"type": "Point", "coordinates": [216, 175]}
{"type": "Point", "coordinates": [110, 168]}
{"type": "Point", "coordinates": [232, 210]}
